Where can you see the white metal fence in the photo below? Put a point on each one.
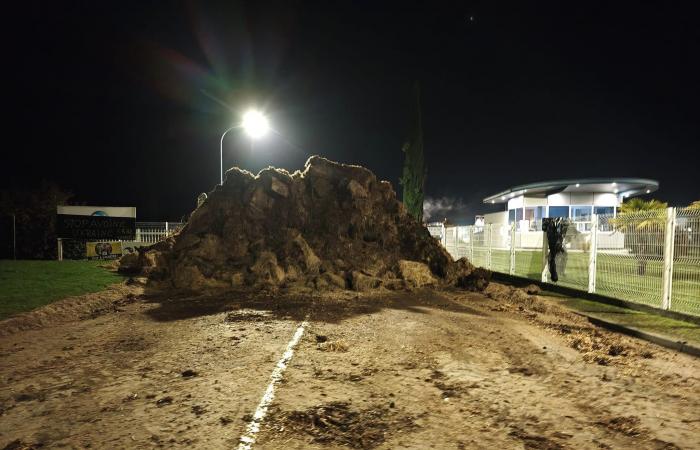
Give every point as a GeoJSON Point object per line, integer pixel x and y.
{"type": "Point", "coordinates": [651, 257]}
{"type": "Point", "coordinates": [152, 232]}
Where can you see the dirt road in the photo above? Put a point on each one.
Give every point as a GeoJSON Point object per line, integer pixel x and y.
{"type": "Point", "coordinates": [393, 370]}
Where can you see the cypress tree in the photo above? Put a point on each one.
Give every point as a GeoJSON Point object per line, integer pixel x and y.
{"type": "Point", "coordinates": [414, 170]}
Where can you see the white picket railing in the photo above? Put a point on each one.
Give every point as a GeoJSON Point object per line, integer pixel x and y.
{"type": "Point", "coordinates": [152, 232]}
{"type": "Point", "coordinates": [648, 257]}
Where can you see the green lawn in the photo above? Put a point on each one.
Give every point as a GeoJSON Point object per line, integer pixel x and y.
{"type": "Point", "coordinates": [617, 276]}
{"type": "Point", "coordinates": [652, 323]}
{"type": "Point", "coordinates": [25, 285]}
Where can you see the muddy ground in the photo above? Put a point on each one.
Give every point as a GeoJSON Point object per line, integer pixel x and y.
{"type": "Point", "coordinates": [418, 369]}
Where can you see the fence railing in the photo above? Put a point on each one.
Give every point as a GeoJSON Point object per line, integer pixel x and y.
{"type": "Point", "coordinates": [651, 257]}
{"type": "Point", "coordinates": [152, 232]}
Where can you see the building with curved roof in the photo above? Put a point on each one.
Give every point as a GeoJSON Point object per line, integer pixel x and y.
{"type": "Point", "coordinates": [577, 199]}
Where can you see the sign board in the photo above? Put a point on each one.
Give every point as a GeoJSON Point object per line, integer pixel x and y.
{"type": "Point", "coordinates": [104, 250]}
{"type": "Point", "coordinates": [96, 223]}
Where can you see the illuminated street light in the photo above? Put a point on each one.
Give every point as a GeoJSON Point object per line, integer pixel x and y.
{"type": "Point", "coordinates": [255, 125]}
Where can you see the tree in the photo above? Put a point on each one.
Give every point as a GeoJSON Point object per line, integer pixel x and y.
{"type": "Point", "coordinates": [35, 216]}
{"type": "Point", "coordinates": [642, 223]}
{"type": "Point", "coordinates": [414, 171]}
{"type": "Point", "coordinates": [695, 205]}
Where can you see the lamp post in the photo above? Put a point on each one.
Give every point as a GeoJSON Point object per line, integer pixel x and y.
{"type": "Point", "coordinates": [255, 125]}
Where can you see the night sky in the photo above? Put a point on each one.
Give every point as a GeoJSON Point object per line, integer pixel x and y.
{"type": "Point", "coordinates": [124, 103]}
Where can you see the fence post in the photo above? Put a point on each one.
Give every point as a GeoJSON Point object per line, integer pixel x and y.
{"type": "Point", "coordinates": [456, 246]}
{"type": "Point", "coordinates": [60, 249]}
{"type": "Point", "coordinates": [512, 248]}
{"type": "Point", "coordinates": [669, 244]}
{"type": "Point", "coordinates": [457, 241]}
{"type": "Point", "coordinates": [593, 254]}
{"type": "Point", "coordinates": [545, 260]}
{"type": "Point", "coordinates": [166, 229]}
{"type": "Point", "coordinates": [471, 244]}
{"type": "Point", "coordinates": [488, 251]}
{"type": "Point", "coordinates": [443, 235]}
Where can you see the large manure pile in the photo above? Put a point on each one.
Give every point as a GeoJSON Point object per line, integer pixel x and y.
{"type": "Point", "coordinates": [330, 226]}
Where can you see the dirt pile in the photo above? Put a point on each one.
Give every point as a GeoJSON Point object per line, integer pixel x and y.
{"type": "Point", "coordinates": [330, 226]}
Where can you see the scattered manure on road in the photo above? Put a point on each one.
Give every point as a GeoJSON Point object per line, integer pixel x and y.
{"type": "Point", "coordinates": [340, 424]}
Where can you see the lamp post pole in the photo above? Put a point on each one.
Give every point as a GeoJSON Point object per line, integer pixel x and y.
{"type": "Point", "coordinates": [254, 124]}
{"type": "Point", "coordinates": [221, 153]}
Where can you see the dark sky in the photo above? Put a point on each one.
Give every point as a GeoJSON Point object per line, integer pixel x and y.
{"type": "Point", "coordinates": [115, 100]}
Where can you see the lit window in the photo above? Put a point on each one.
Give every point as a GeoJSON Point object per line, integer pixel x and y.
{"type": "Point", "coordinates": [559, 211]}
{"type": "Point", "coordinates": [581, 213]}
{"type": "Point", "coordinates": [604, 210]}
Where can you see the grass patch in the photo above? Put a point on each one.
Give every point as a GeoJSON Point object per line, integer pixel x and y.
{"type": "Point", "coordinates": [26, 285]}
{"type": "Point", "coordinates": [652, 323]}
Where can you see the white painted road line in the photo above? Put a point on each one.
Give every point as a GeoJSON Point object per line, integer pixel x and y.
{"type": "Point", "coordinates": [248, 439]}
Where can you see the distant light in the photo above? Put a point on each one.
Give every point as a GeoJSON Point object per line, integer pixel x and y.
{"type": "Point", "coordinates": [503, 197]}
{"type": "Point", "coordinates": [524, 190]}
{"type": "Point", "coordinates": [493, 201]}
{"type": "Point", "coordinates": [255, 124]}
{"type": "Point", "coordinates": [578, 184]}
{"type": "Point", "coordinates": [614, 184]}
{"type": "Point", "coordinates": [648, 191]}
{"type": "Point", "coordinates": [615, 191]}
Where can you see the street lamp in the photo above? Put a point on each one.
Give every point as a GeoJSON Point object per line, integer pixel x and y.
{"type": "Point", "coordinates": [255, 125]}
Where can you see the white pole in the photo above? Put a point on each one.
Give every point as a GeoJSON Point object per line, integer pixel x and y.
{"type": "Point", "coordinates": [512, 248]}
{"type": "Point", "coordinates": [545, 260]}
{"type": "Point", "coordinates": [669, 243]}
{"type": "Point", "coordinates": [456, 245]}
{"type": "Point", "coordinates": [471, 244]}
{"type": "Point", "coordinates": [488, 254]}
{"type": "Point", "coordinates": [221, 153]}
{"type": "Point", "coordinates": [60, 249]}
{"type": "Point", "coordinates": [593, 254]}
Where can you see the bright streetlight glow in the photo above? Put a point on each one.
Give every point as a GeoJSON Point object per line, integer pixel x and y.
{"type": "Point", "coordinates": [255, 124]}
